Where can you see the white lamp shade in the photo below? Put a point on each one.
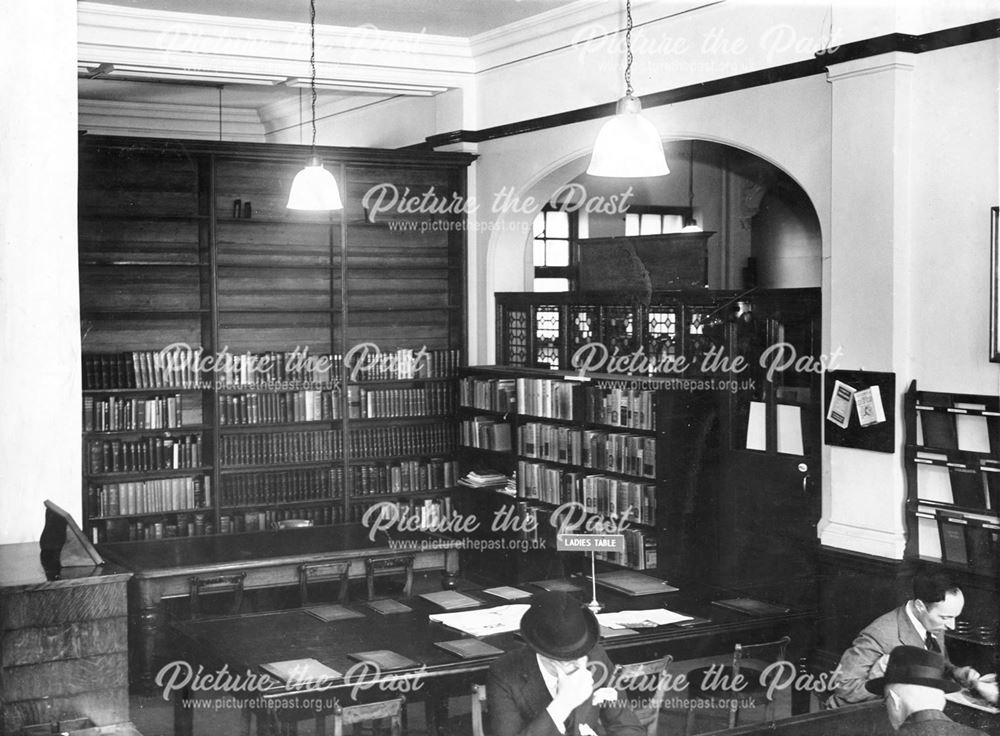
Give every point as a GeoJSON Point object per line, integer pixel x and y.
{"type": "Point", "coordinates": [628, 145]}
{"type": "Point", "coordinates": [692, 227]}
{"type": "Point", "coordinates": [314, 188]}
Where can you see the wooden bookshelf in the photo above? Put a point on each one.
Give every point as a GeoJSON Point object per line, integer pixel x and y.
{"type": "Point", "coordinates": [617, 452]}
{"type": "Point", "coordinates": [293, 391]}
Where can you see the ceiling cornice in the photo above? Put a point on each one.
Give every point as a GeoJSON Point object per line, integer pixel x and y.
{"type": "Point", "coordinates": [110, 34]}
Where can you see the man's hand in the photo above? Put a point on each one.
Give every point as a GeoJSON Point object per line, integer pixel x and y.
{"type": "Point", "coordinates": [878, 669]}
{"type": "Point", "coordinates": [571, 690]}
{"type": "Point", "coordinates": [965, 676]}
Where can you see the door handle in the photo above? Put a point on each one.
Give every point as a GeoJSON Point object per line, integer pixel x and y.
{"type": "Point", "coordinates": [804, 469]}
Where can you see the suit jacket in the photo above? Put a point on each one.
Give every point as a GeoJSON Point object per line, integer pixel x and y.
{"type": "Point", "coordinates": [935, 723]}
{"type": "Point", "coordinates": [880, 637]}
{"type": "Point", "coordinates": [517, 699]}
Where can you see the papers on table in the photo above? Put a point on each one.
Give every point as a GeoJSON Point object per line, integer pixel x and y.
{"type": "Point", "coordinates": [484, 622]}
{"type": "Point", "coordinates": [469, 648]}
{"type": "Point", "coordinates": [387, 606]}
{"type": "Point", "coordinates": [643, 619]}
{"type": "Point", "coordinates": [972, 700]}
{"type": "Point", "coordinates": [332, 612]}
{"type": "Point", "coordinates": [634, 583]}
{"type": "Point", "coordinates": [301, 672]}
{"type": "Point", "coordinates": [557, 584]}
{"type": "Point", "coordinates": [451, 599]}
{"type": "Point", "coordinates": [508, 592]}
{"type": "Point", "coordinates": [385, 659]}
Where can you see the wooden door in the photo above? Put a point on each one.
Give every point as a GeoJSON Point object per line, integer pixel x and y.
{"type": "Point", "coordinates": [769, 492]}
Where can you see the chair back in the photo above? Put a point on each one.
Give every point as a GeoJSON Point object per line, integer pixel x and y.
{"type": "Point", "coordinates": [758, 656]}
{"type": "Point", "coordinates": [478, 709]}
{"type": "Point", "coordinates": [199, 586]}
{"type": "Point", "coordinates": [317, 572]}
{"type": "Point", "coordinates": [369, 712]}
{"type": "Point", "coordinates": [378, 566]}
{"type": "Point", "coordinates": [645, 682]}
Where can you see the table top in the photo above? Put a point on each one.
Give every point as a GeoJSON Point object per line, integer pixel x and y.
{"type": "Point", "coordinates": [247, 641]}
{"type": "Point", "coordinates": [21, 569]}
{"type": "Point", "coordinates": [168, 556]}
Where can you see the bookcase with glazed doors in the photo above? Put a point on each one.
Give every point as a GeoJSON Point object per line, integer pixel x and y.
{"type": "Point", "coordinates": [245, 363]}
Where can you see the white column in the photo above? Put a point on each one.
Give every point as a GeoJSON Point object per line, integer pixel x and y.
{"type": "Point", "coordinates": [39, 295]}
{"type": "Point", "coordinates": [869, 285]}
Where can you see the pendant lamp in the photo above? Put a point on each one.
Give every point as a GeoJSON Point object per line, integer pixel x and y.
{"type": "Point", "coordinates": [314, 188]}
{"type": "Point", "coordinates": [690, 224]}
{"type": "Point", "coordinates": [628, 145]}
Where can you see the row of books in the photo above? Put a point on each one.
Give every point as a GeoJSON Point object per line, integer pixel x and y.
{"type": "Point", "coordinates": [427, 514]}
{"type": "Point", "coordinates": [150, 496]}
{"type": "Point", "coordinates": [431, 399]}
{"type": "Point", "coordinates": [416, 439]}
{"type": "Point", "coordinates": [167, 368]}
{"type": "Point", "coordinates": [545, 397]}
{"type": "Point", "coordinates": [600, 494]}
{"type": "Point", "coordinates": [619, 407]}
{"type": "Point", "coordinates": [175, 525]}
{"type": "Point", "coordinates": [404, 477]}
{"type": "Point", "coordinates": [639, 554]}
{"type": "Point", "coordinates": [263, 520]}
{"type": "Point", "coordinates": [145, 453]}
{"type": "Point", "coordinates": [368, 363]}
{"type": "Point", "coordinates": [312, 445]}
{"type": "Point", "coordinates": [631, 454]}
{"type": "Point", "coordinates": [489, 394]}
{"type": "Point", "coordinates": [299, 368]}
{"type": "Point", "coordinates": [487, 433]}
{"type": "Point", "coordinates": [305, 405]}
{"type": "Point", "coordinates": [116, 414]}
{"type": "Point", "coordinates": [282, 486]}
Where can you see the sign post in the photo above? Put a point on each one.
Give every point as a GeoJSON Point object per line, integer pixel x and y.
{"type": "Point", "coordinates": [592, 543]}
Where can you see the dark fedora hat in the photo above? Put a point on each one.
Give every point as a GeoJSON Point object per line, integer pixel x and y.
{"type": "Point", "coordinates": [558, 626]}
{"type": "Point", "coordinates": [913, 666]}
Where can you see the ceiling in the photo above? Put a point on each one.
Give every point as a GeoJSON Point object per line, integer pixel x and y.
{"type": "Point", "coordinates": [461, 18]}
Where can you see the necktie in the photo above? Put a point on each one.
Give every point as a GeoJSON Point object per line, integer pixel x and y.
{"type": "Point", "coordinates": [931, 642]}
{"type": "Point", "coordinates": [570, 725]}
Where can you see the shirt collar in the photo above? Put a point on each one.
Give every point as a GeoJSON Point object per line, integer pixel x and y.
{"type": "Point", "coordinates": [911, 614]}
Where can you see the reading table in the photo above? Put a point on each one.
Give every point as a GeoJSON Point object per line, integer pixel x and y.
{"type": "Point", "coordinates": [243, 644]}
{"type": "Point", "coordinates": [164, 569]}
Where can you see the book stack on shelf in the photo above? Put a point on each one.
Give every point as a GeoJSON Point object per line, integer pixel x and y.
{"type": "Point", "coordinates": [953, 478]}
{"type": "Point", "coordinates": [406, 476]}
{"type": "Point", "coordinates": [485, 433]}
{"type": "Point", "coordinates": [283, 407]}
{"type": "Point", "coordinates": [387, 403]}
{"type": "Point", "coordinates": [567, 449]}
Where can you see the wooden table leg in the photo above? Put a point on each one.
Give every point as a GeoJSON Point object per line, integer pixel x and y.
{"type": "Point", "coordinates": [183, 712]}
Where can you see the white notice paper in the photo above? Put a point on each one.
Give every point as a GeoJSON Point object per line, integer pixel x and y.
{"type": "Point", "coordinates": [484, 622]}
{"type": "Point", "coordinates": [757, 426]}
{"type": "Point", "coordinates": [840, 405]}
{"type": "Point", "coordinates": [641, 619]}
{"type": "Point", "coordinates": [789, 421]}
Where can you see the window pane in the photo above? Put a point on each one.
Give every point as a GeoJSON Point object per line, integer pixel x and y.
{"type": "Point", "coordinates": [538, 226]}
{"type": "Point", "coordinates": [672, 223]}
{"type": "Point", "coordinates": [551, 284]}
{"type": "Point", "coordinates": [539, 253]}
{"type": "Point", "coordinates": [631, 224]}
{"type": "Point", "coordinates": [556, 252]}
{"type": "Point", "coordinates": [650, 225]}
{"type": "Point", "coordinates": [557, 224]}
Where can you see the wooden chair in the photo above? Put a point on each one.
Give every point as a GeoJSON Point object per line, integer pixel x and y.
{"type": "Point", "coordinates": [379, 566]}
{"type": "Point", "coordinates": [478, 709]}
{"type": "Point", "coordinates": [318, 572]}
{"type": "Point", "coordinates": [645, 682]}
{"type": "Point", "coordinates": [367, 712]}
{"type": "Point", "coordinates": [216, 585]}
{"type": "Point", "coordinates": [749, 661]}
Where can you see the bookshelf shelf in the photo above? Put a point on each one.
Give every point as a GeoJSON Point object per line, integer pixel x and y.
{"type": "Point", "coordinates": [147, 514]}
{"type": "Point", "coordinates": [163, 262]}
{"type": "Point", "coordinates": [953, 488]}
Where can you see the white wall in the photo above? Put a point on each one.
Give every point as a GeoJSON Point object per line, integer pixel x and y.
{"type": "Point", "coordinates": [39, 303]}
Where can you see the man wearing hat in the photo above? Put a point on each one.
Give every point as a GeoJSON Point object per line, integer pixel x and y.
{"type": "Point", "coordinates": [546, 688]}
{"type": "Point", "coordinates": [914, 685]}
{"type": "Point", "coordinates": [920, 622]}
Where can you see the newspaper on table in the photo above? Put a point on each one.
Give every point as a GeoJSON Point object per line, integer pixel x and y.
{"type": "Point", "coordinates": [484, 622]}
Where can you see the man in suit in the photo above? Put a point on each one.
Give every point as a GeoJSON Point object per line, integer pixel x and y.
{"type": "Point", "coordinates": [920, 622]}
{"type": "Point", "coordinates": [547, 688]}
{"type": "Point", "coordinates": [914, 685]}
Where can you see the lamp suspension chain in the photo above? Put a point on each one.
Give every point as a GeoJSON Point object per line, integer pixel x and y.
{"type": "Point", "coordinates": [312, 68]}
{"type": "Point", "coordinates": [628, 48]}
